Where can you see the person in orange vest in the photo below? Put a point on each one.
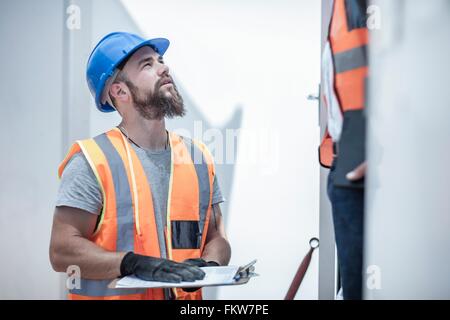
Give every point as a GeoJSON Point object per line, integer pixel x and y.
{"type": "Point", "coordinates": [137, 200]}
{"type": "Point", "coordinates": [345, 73]}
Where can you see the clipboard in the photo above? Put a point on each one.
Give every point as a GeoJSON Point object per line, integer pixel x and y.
{"type": "Point", "coordinates": [241, 276]}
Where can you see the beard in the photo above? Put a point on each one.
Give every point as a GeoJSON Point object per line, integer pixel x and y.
{"type": "Point", "coordinates": [156, 105]}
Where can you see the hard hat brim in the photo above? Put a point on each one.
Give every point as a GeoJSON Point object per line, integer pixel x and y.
{"type": "Point", "coordinates": [160, 45]}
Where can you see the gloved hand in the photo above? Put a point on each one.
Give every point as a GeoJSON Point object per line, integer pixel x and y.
{"type": "Point", "coordinates": [199, 262]}
{"type": "Point", "coordinates": [157, 269]}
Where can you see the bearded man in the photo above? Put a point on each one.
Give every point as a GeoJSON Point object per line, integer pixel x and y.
{"type": "Point", "coordinates": [137, 200]}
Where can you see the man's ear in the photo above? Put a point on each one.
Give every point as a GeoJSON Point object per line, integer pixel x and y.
{"type": "Point", "coordinates": [119, 92]}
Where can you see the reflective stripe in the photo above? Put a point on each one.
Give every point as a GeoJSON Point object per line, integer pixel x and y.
{"type": "Point", "coordinates": [99, 288]}
{"type": "Point", "coordinates": [124, 205]}
{"type": "Point", "coordinates": [351, 59]}
{"type": "Point", "coordinates": [201, 168]}
{"type": "Point", "coordinates": [136, 167]}
{"type": "Point", "coordinates": [125, 223]}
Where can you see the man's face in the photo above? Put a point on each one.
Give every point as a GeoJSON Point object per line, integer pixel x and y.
{"type": "Point", "coordinates": [150, 86]}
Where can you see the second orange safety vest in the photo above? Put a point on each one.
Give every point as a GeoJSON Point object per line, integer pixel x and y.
{"type": "Point", "coordinates": [128, 221]}
{"type": "Point", "coordinates": [348, 37]}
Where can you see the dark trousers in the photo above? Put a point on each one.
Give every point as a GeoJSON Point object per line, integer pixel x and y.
{"type": "Point", "coordinates": [348, 213]}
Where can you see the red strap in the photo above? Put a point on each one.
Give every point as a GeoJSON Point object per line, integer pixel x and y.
{"type": "Point", "coordinates": [301, 271]}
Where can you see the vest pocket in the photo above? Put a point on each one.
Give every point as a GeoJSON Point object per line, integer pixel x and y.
{"type": "Point", "coordinates": [185, 235]}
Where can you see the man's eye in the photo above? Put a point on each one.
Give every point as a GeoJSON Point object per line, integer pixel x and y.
{"type": "Point", "coordinates": [147, 64]}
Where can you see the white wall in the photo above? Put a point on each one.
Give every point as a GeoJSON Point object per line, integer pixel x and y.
{"type": "Point", "coordinates": [264, 57]}
{"type": "Point", "coordinates": [31, 89]}
{"type": "Point", "coordinates": [407, 219]}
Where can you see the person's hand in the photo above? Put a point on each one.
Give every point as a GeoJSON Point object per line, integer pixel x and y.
{"type": "Point", "coordinates": [358, 173]}
{"type": "Point", "coordinates": [199, 262]}
{"type": "Point", "coordinates": [157, 269]}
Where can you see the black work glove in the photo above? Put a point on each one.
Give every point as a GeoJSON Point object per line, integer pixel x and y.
{"type": "Point", "coordinates": [199, 262]}
{"type": "Point", "coordinates": [157, 269]}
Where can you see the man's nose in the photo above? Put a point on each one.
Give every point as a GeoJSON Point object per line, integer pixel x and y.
{"type": "Point", "coordinates": [163, 69]}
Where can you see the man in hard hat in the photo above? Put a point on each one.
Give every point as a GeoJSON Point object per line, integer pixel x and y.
{"type": "Point", "coordinates": [137, 200]}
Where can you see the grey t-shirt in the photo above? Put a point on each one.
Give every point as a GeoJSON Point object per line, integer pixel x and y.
{"type": "Point", "coordinates": [79, 187]}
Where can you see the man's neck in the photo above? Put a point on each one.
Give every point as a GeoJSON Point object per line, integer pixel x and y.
{"type": "Point", "coordinates": [148, 134]}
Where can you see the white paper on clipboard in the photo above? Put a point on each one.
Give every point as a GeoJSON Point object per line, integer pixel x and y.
{"type": "Point", "coordinates": [214, 276]}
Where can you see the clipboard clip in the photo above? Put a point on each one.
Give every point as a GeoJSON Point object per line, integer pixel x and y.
{"type": "Point", "coordinates": [246, 272]}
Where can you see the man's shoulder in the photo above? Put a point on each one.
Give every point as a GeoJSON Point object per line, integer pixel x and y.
{"type": "Point", "coordinates": [77, 162]}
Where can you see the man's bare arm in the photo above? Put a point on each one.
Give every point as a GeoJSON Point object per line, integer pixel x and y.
{"type": "Point", "coordinates": [69, 245]}
{"type": "Point", "coordinates": [217, 247]}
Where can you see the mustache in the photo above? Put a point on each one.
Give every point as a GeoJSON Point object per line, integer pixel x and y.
{"type": "Point", "coordinates": [163, 81]}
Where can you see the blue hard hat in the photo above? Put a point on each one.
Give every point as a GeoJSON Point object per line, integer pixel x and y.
{"type": "Point", "coordinates": [109, 53]}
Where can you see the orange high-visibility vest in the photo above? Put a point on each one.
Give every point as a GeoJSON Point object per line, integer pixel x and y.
{"type": "Point", "coordinates": [349, 48]}
{"type": "Point", "coordinates": [128, 222]}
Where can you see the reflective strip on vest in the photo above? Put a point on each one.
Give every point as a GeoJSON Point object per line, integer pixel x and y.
{"type": "Point", "coordinates": [99, 288]}
{"type": "Point", "coordinates": [201, 168]}
{"type": "Point", "coordinates": [125, 222]}
{"type": "Point", "coordinates": [351, 59]}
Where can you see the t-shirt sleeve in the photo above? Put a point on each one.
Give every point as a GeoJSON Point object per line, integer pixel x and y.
{"type": "Point", "coordinates": [217, 193]}
{"type": "Point", "coordinates": [79, 187]}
